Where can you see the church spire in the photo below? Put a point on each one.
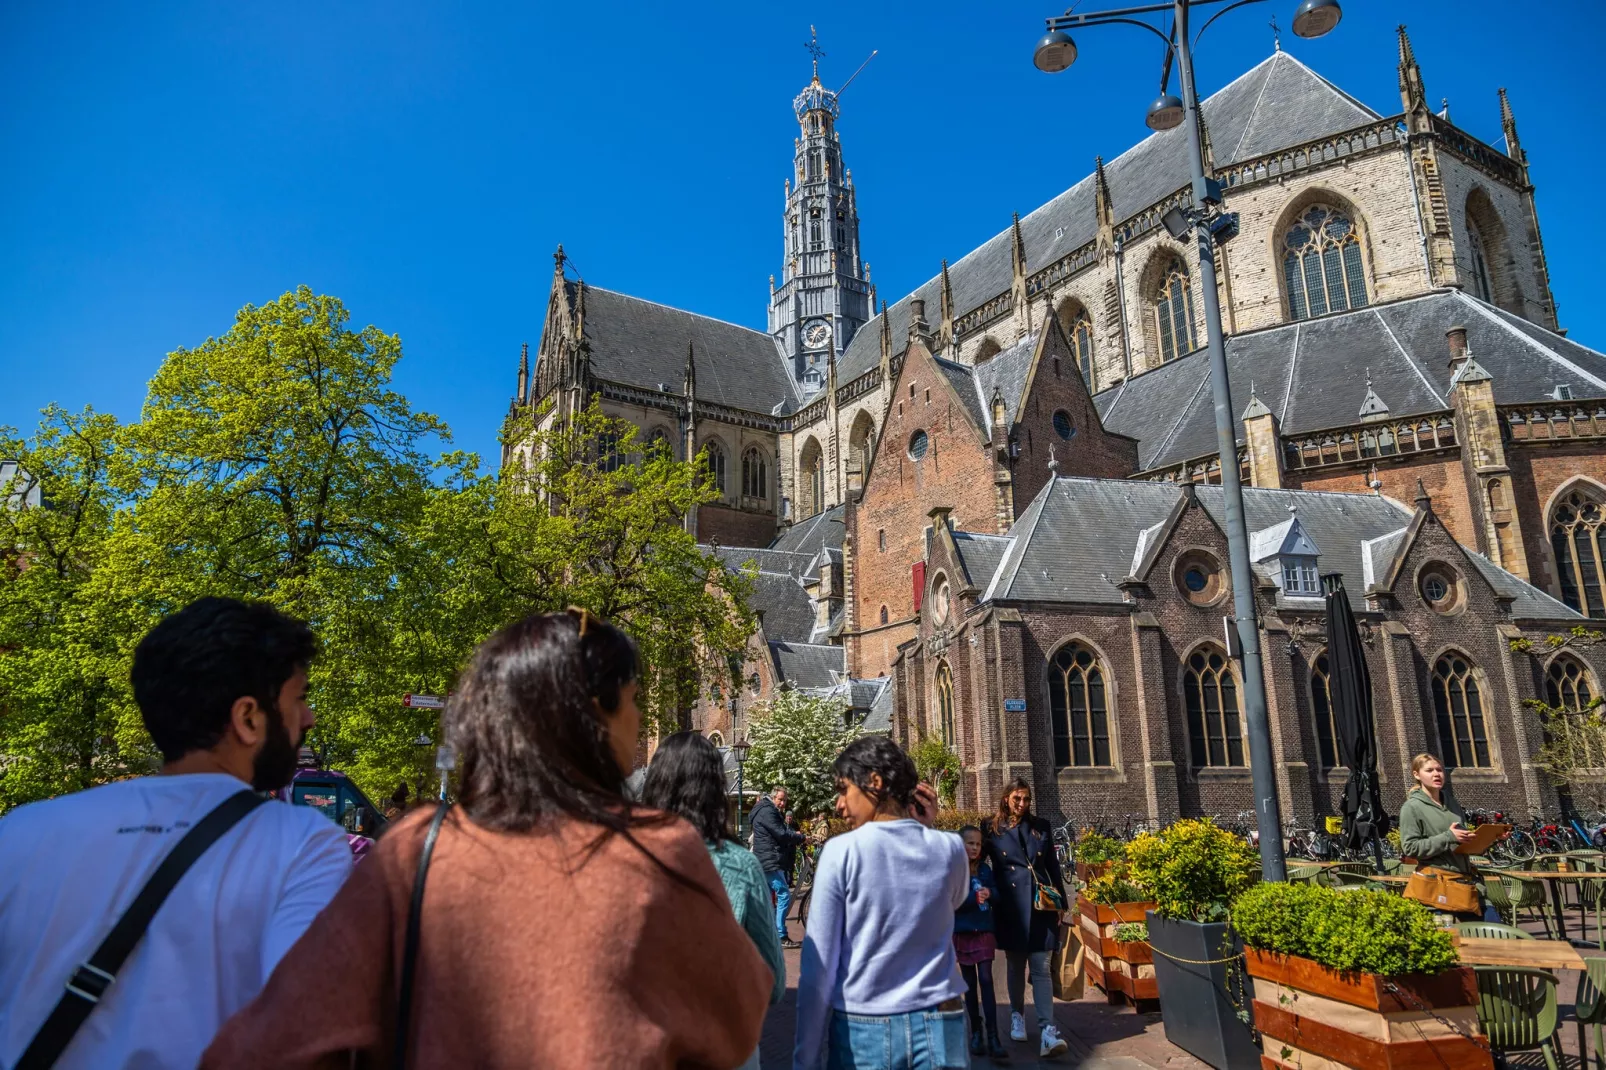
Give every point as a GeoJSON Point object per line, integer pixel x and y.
{"type": "Point", "coordinates": [1413, 94]}
{"type": "Point", "coordinates": [945, 330]}
{"type": "Point", "coordinates": [524, 374]}
{"type": "Point", "coordinates": [691, 372]}
{"type": "Point", "coordinates": [1508, 125]}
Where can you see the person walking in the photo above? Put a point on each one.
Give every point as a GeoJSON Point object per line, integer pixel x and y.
{"type": "Point", "coordinates": [879, 987]}
{"type": "Point", "coordinates": [222, 688]}
{"type": "Point", "coordinates": [775, 845]}
{"type": "Point", "coordinates": [976, 948]}
{"type": "Point", "coordinates": [1432, 823]}
{"type": "Point", "coordinates": [1020, 846]}
{"type": "Point", "coordinates": [687, 777]}
{"type": "Point", "coordinates": [560, 925]}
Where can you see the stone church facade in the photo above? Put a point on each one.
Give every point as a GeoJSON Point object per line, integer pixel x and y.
{"type": "Point", "coordinates": [1392, 340]}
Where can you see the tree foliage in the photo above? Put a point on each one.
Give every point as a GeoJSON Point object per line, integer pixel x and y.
{"type": "Point", "coordinates": [278, 462]}
{"type": "Point", "coordinates": [795, 738]}
{"type": "Point", "coordinates": [938, 765]}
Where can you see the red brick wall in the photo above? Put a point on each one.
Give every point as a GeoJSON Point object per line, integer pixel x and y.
{"type": "Point", "coordinates": [1091, 451]}
{"type": "Point", "coordinates": [732, 527]}
{"type": "Point", "coordinates": [1441, 477]}
{"type": "Point", "coordinates": [1537, 472]}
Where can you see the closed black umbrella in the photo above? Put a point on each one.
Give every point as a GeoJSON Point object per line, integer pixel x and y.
{"type": "Point", "coordinates": [1350, 689]}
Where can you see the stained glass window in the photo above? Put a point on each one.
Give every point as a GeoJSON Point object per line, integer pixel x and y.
{"type": "Point", "coordinates": [1322, 264]}
{"type": "Point", "coordinates": [1078, 708]}
{"type": "Point", "coordinates": [1575, 533]}
{"type": "Point", "coordinates": [1210, 692]}
{"type": "Point", "coordinates": [1173, 313]}
{"type": "Point", "coordinates": [1458, 706]}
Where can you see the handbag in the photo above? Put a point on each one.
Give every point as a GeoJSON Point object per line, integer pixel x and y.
{"type": "Point", "coordinates": [1066, 967]}
{"type": "Point", "coordinates": [404, 1003]}
{"type": "Point", "coordinates": [1045, 896]}
{"type": "Point", "coordinates": [1444, 889]}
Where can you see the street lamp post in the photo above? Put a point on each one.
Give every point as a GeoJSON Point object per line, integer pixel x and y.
{"type": "Point", "coordinates": [1055, 52]}
{"type": "Point", "coordinates": [739, 750]}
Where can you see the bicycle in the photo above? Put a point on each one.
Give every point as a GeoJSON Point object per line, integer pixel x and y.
{"type": "Point", "coordinates": [803, 887]}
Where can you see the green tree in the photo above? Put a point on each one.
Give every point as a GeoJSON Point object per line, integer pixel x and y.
{"type": "Point", "coordinates": [795, 738]}
{"type": "Point", "coordinates": [938, 765]}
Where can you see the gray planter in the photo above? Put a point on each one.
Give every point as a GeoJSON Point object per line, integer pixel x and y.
{"type": "Point", "coordinates": [1195, 1001]}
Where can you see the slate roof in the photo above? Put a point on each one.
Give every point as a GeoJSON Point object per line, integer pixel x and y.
{"type": "Point", "coordinates": [1006, 372]}
{"type": "Point", "coordinates": [820, 531]}
{"type": "Point", "coordinates": [1052, 558]}
{"type": "Point", "coordinates": [1306, 373]}
{"type": "Point", "coordinates": [1278, 103]}
{"type": "Point", "coordinates": [980, 553]}
{"type": "Point", "coordinates": [642, 343]}
{"type": "Point", "coordinates": [880, 716]}
{"type": "Point", "coordinates": [778, 591]}
{"type": "Point", "coordinates": [964, 383]}
{"type": "Point", "coordinates": [808, 665]}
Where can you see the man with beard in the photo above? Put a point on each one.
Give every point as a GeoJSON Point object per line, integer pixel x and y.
{"type": "Point", "coordinates": [222, 688]}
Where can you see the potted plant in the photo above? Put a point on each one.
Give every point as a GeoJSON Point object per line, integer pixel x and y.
{"type": "Point", "coordinates": [1095, 854]}
{"type": "Point", "coordinates": [1194, 869]}
{"type": "Point", "coordinates": [1355, 978]}
{"type": "Point", "coordinates": [1113, 960]}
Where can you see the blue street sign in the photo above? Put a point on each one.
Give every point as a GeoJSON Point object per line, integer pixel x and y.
{"type": "Point", "coordinates": [1014, 705]}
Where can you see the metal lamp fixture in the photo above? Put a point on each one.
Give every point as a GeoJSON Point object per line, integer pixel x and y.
{"type": "Point", "coordinates": [1316, 17]}
{"type": "Point", "coordinates": [1165, 113]}
{"type": "Point", "coordinates": [739, 750]}
{"type": "Point", "coordinates": [1055, 52]}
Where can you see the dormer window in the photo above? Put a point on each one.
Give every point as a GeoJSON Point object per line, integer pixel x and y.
{"type": "Point", "coordinates": [1299, 577]}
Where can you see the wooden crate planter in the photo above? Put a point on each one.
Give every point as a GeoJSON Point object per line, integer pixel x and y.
{"type": "Point", "coordinates": [1116, 967]}
{"type": "Point", "coordinates": [1088, 872]}
{"type": "Point", "coordinates": [1313, 1018]}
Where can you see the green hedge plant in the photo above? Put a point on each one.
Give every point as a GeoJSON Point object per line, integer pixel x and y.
{"type": "Point", "coordinates": [1370, 932]}
{"type": "Point", "coordinates": [1115, 887]}
{"type": "Point", "coordinates": [1131, 932]}
{"type": "Point", "coordinates": [1094, 849]}
{"type": "Point", "coordinates": [1193, 869]}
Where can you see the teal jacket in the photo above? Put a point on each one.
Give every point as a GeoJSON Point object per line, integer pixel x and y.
{"type": "Point", "coordinates": [749, 894]}
{"type": "Point", "coordinates": [1425, 833]}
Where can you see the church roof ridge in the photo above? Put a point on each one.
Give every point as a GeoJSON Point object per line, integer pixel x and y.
{"type": "Point", "coordinates": [675, 308]}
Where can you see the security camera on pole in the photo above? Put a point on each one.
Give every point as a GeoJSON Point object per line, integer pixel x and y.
{"type": "Point", "coordinates": [1210, 226]}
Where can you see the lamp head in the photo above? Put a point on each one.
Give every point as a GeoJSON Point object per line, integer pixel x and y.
{"type": "Point", "coordinates": [1165, 113]}
{"type": "Point", "coordinates": [739, 749]}
{"type": "Point", "coordinates": [1055, 51]}
{"type": "Point", "coordinates": [1316, 17]}
{"type": "Point", "coordinates": [1176, 222]}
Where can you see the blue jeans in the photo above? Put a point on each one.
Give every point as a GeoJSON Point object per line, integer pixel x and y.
{"type": "Point", "coordinates": [783, 900]}
{"type": "Point", "coordinates": [918, 1040]}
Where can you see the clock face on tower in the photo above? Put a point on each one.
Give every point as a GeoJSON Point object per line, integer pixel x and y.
{"type": "Point", "coordinates": [817, 335]}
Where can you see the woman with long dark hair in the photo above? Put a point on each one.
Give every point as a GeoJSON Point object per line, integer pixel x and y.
{"type": "Point", "coordinates": [880, 987]}
{"type": "Point", "coordinates": [1020, 846]}
{"type": "Point", "coordinates": [687, 777]}
{"type": "Point", "coordinates": [561, 924]}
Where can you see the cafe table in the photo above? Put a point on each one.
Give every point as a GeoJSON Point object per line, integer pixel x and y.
{"type": "Point", "coordinates": [1502, 951]}
{"type": "Point", "coordinates": [1555, 880]}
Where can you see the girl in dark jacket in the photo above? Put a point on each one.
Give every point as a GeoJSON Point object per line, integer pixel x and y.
{"type": "Point", "coordinates": [1019, 846]}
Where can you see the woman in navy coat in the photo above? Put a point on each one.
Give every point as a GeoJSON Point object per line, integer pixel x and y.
{"type": "Point", "coordinates": [1018, 843]}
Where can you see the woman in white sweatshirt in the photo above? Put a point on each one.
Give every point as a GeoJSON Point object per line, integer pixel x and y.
{"type": "Point", "coordinates": [880, 988]}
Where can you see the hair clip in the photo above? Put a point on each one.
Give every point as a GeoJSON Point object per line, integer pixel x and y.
{"type": "Point", "coordinates": [585, 617]}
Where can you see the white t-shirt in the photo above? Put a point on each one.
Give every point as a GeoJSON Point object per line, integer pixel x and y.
{"type": "Point", "coordinates": [70, 866]}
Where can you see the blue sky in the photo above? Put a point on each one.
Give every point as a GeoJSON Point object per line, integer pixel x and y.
{"type": "Point", "coordinates": [167, 164]}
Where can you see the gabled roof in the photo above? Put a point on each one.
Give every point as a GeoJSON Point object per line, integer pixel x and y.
{"type": "Point", "coordinates": [980, 554]}
{"type": "Point", "coordinates": [818, 532]}
{"type": "Point", "coordinates": [1281, 540]}
{"type": "Point", "coordinates": [1305, 372]}
{"type": "Point", "coordinates": [1276, 104]}
{"type": "Point", "coordinates": [1007, 373]}
{"type": "Point", "coordinates": [778, 591]}
{"type": "Point", "coordinates": [643, 344]}
{"type": "Point", "coordinates": [959, 377]}
{"type": "Point", "coordinates": [808, 665]}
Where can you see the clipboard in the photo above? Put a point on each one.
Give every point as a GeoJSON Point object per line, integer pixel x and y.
{"type": "Point", "coordinates": [1482, 837]}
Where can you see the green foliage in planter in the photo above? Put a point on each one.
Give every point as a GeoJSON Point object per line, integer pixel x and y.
{"type": "Point", "coordinates": [1129, 931]}
{"type": "Point", "coordinates": [1372, 932]}
{"type": "Point", "coordinates": [1193, 868]}
{"type": "Point", "coordinates": [1114, 887]}
{"type": "Point", "coordinates": [1095, 849]}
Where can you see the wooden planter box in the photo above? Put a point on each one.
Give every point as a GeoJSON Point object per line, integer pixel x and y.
{"type": "Point", "coordinates": [1127, 969]}
{"type": "Point", "coordinates": [1311, 1017]}
{"type": "Point", "coordinates": [1087, 872]}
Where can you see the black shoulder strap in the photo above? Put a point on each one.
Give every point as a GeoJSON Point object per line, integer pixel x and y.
{"type": "Point", "coordinates": [91, 979]}
{"type": "Point", "coordinates": [410, 948]}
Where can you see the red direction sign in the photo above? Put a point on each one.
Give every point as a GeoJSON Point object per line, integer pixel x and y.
{"type": "Point", "coordinates": [424, 702]}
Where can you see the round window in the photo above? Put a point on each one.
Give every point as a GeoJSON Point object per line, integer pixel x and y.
{"type": "Point", "coordinates": [1440, 588]}
{"type": "Point", "coordinates": [1194, 579]}
{"type": "Point", "coordinates": [1063, 426]}
{"type": "Point", "coordinates": [1198, 574]}
{"type": "Point", "coordinates": [918, 444]}
{"type": "Point", "coordinates": [941, 602]}
{"type": "Point", "coordinates": [1435, 588]}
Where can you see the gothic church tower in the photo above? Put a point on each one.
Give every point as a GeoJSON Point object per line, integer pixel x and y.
{"type": "Point", "coordinates": [825, 293]}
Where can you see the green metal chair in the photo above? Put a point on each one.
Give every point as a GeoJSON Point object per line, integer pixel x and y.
{"type": "Point", "coordinates": [1488, 930]}
{"type": "Point", "coordinates": [1345, 873]}
{"type": "Point", "coordinates": [1517, 1010]}
{"type": "Point", "coordinates": [1499, 897]}
{"type": "Point", "coordinates": [1297, 873]}
{"type": "Point", "coordinates": [1589, 1008]}
{"type": "Point", "coordinates": [1526, 894]}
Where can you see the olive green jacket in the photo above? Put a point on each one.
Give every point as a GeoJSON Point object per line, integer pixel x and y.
{"type": "Point", "coordinates": [1425, 833]}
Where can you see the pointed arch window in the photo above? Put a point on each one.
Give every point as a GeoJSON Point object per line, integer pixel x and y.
{"type": "Point", "coordinates": [657, 440]}
{"type": "Point", "coordinates": [714, 464]}
{"type": "Point", "coordinates": [811, 479]}
{"type": "Point", "coordinates": [1567, 685]}
{"type": "Point", "coordinates": [1173, 313]}
{"type": "Point", "coordinates": [755, 475]}
{"type": "Point", "coordinates": [1215, 722]}
{"type": "Point", "coordinates": [945, 704]}
{"type": "Point", "coordinates": [1078, 706]}
{"type": "Point", "coordinates": [1575, 542]}
{"type": "Point", "coordinates": [609, 457]}
{"type": "Point", "coordinates": [1322, 264]}
{"type": "Point", "coordinates": [1321, 705]}
{"type": "Point", "coordinates": [1082, 346]}
{"type": "Point", "coordinates": [1480, 264]}
{"type": "Point", "coordinates": [1458, 707]}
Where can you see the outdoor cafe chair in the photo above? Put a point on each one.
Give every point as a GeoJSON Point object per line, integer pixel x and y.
{"type": "Point", "coordinates": [1517, 1010]}
{"type": "Point", "coordinates": [1527, 894]}
{"type": "Point", "coordinates": [1489, 930]}
{"type": "Point", "coordinates": [1589, 1008]}
{"type": "Point", "coordinates": [1499, 897]}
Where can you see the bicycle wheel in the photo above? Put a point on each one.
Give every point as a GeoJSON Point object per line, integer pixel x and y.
{"type": "Point", "coordinates": [1519, 846]}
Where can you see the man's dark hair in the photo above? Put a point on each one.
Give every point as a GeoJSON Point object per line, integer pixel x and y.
{"type": "Point", "coordinates": [687, 777]}
{"type": "Point", "coordinates": [877, 754]}
{"type": "Point", "coordinates": [191, 668]}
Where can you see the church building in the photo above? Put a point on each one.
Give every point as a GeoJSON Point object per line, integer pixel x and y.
{"type": "Point", "coordinates": [989, 510]}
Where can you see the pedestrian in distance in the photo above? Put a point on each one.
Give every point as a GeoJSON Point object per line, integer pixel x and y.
{"type": "Point", "coordinates": [222, 688]}
{"type": "Point", "coordinates": [557, 924]}
{"type": "Point", "coordinates": [976, 947]}
{"type": "Point", "coordinates": [879, 987]}
{"type": "Point", "coordinates": [687, 777]}
{"type": "Point", "coordinates": [775, 846]}
{"type": "Point", "coordinates": [1433, 824]}
{"type": "Point", "coordinates": [1031, 897]}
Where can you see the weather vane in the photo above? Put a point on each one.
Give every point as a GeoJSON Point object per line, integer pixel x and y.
{"type": "Point", "coordinates": [1276, 34]}
{"type": "Point", "coordinates": [813, 45]}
